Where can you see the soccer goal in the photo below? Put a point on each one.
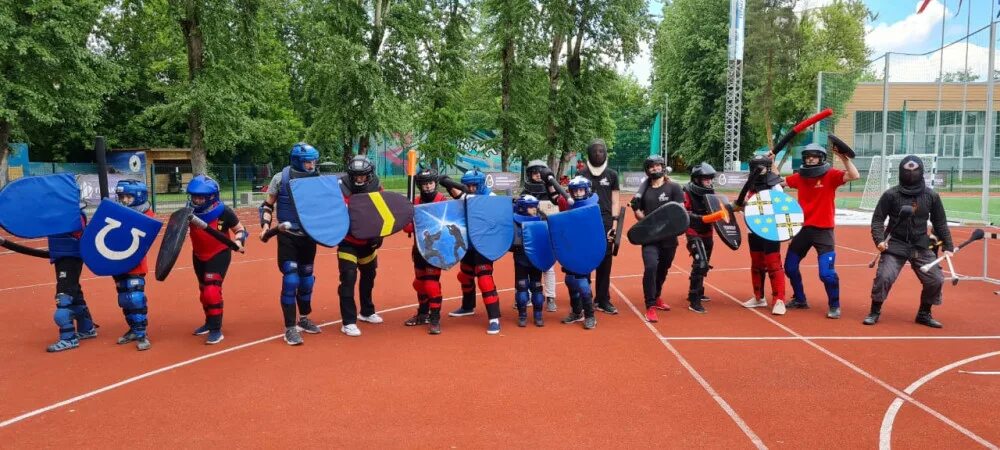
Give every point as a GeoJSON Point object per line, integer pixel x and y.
{"type": "Point", "coordinates": [883, 173]}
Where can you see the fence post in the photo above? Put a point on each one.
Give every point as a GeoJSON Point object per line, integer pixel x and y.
{"type": "Point", "coordinates": [951, 180]}
{"type": "Point", "coordinates": [234, 187]}
{"type": "Point", "coordinates": [152, 184]}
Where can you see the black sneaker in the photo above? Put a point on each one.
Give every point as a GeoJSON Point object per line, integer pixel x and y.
{"type": "Point", "coordinates": [926, 319]}
{"type": "Point", "coordinates": [419, 319]}
{"type": "Point", "coordinates": [573, 317]}
{"type": "Point", "coordinates": [129, 336]}
{"type": "Point", "coordinates": [522, 320]}
{"type": "Point", "coordinates": [607, 308]}
{"type": "Point", "coordinates": [589, 323]}
{"type": "Point", "coordinates": [539, 322]}
{"type": "Point", "coordinates": [697, 307]}
{"type": "Point", "coordinates": [872, 319]}
{"type": "Point", "coordinates": [435, 327]}
{"type": "Point", "coordinates": [795, 303]}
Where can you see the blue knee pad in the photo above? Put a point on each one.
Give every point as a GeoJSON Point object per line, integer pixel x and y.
{"type": "Point", "coordinates": [792, 261]}
{"type": "Point", "coordinates": [132, 300]}
{"type": "Point", "coordinates": [828, 274]}
{"type": "Point", "coordinates": [537, 296]}
{"type": "Point", "coordinates": [64, 317]}
{"type": "Point", "coordinates": [521, 296]}
{"type": "Point", "coordinates": [289, 282]}
{"type": "Point", "coordinates": [580, 284]}
{"type": "Point", "coordinates": [306, 282]}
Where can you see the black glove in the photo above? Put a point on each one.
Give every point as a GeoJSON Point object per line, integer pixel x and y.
{"type": "Point", "coordinates": [376, 243]}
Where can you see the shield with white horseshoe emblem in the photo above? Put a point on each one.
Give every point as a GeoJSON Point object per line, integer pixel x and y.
{"type": "Point", "coordinates": [116, 239]}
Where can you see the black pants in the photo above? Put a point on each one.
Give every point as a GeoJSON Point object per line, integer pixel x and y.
{"type": "Point", "coordinates": [68, 277]}
{"type": "Point", "coordinates": [889, 266]}
{"type": "Point", "coordinates": [353, 260]}
{"type": "Point", "coordinates": [656, 260]}
{"type": "Point", "coordinates": [700, 248]}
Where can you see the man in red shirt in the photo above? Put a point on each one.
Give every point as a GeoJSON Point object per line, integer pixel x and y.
{"type": "Point", "coordinates": [817, 183]}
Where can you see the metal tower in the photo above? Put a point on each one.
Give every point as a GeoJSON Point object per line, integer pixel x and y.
{"type": "Point", "coordinates": [734, 85]}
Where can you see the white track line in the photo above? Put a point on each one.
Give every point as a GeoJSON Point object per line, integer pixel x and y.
{"type": "Point", "coordinates": [974, 372]}
{"type": "Point", "coordinates": [151, 373]}
{"type": "Point", "coordinates": [825, 338]}
{"type": "Point", "coordinates": [757, 442]}
{"type": "Point", "coordinates": [865, 374]}
{"type": "Point", "coordinates": [885, 432]}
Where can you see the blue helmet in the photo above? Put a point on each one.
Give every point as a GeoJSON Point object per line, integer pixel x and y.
{"type": "Point", "coordinates": [301, 153]}
{"type": "Point", "coordinates": [579, 182]}
{"type": "Point", "coordinates": [524, 202]}
{"type": "Point", "coordinates": [135, 188]}
{"type": "Point", "coordinates": [478, 179]}
{"type": "Point", "coordinates": [207, 187]}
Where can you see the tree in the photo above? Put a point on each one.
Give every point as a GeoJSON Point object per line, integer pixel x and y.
{"type": "Point", "coordinates": [958, 76]}
{"type": "Point", "coordinates": [48, 74]}
{"type": "Point", "coordinates": [772, 41]}
{"type": "Point", "coordinates": [211, 74]}
{"type": "Point", "coordinates": [689, 63]}
{"type": "Point", "coordinates": [833, 40]}
{"type": "Point", "coordinates": [593, 35]}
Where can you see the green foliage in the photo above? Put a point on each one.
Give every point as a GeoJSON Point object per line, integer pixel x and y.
{"type": "Point", "coordinates": [689, 63]}
{"type": "Point", "coordinates": [51, 83]}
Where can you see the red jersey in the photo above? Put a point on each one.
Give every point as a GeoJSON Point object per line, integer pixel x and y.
{"type": "Point", "coordinates": [204, 245]}
{"type": "Point", "coordinates": [143, 268]}
{"type": "Point", "coordinates": [817, 195]}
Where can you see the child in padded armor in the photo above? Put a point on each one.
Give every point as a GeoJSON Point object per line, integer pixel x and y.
{"type": "Point", "coordinates": [426, 277]}
{"type": "Point", "coordinates": [131, 286]}
{"type": "Point", "coordinates": [527, 278]}
{"type": "Point", "coordinates": [581, 297]}
{"type": "Point", "coordinates": [699, 233]}
{"type": "Point", "coordinates": [211, 258]}
{"type": "Point", "coordinates": [296, 251]}
{"type": "Point", "coordinates": [475, 268]}
{"type": "Point", "coordinates": [765, 255]}
{"type": "Point", "coordinates": [534, 185]}
{"type": "Point", "coordinates": [64, 255]}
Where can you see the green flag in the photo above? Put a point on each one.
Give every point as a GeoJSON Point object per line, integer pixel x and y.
{"type": "Point", "coordinates": [654, 137]}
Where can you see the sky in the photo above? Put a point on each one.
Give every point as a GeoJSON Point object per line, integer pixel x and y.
{"type": "Point", "coordinates": [898, 28]}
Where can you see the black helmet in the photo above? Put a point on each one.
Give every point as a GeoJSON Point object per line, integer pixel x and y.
{"type": "Point", "coordinates": [759, 161]}
{"type": "Point", "coordinates": [653, 160]}
{"type": "Point", "coordinates": [360, 166]}
{"type": "Point", "coordinates": [703, 170]}
{"type": "Point", "coordinates": [428, 175]}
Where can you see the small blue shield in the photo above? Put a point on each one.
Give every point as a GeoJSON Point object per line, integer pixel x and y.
{"type": "Point", "coordinates": [490, 221]}
{"type": "Point", "coordinates": [116, 239]}
{"type": "Point", "coordinates": [321, 208]}
{"type": "Point", "coordinates": [440, 232]}
{"type": "Point", "coordinates": [773, 215]}
{"type": "Point", "coordinates": [578, 238]}
{"type": "Point", "coordinates": [21, 215]}
{"type": "Point", "coordinates": [538, 245]}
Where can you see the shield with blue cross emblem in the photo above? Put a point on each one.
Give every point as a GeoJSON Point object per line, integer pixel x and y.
{"type": "Point", "coordinates": [773, 215]}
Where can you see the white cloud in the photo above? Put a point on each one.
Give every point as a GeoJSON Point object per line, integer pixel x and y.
{"type": "Point", "coordinates": [925, 68]}
{"type": "Point", "coordinates": [909, 34]}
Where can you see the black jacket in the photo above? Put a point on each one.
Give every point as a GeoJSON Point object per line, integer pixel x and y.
{"type": "Point", "coordinates": [911, 234]}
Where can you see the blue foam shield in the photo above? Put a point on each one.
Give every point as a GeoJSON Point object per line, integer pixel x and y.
{"type": "Point", "coordinates": [116, 239]}
{"type": "Point", "coordinates": [321, 208]}
{"type": "Point", "coordinates": [21, 215]}
{"type": "Point", "coordinates": [578, 238]}
{"type": "Point", "coordinates": [490, 224]}
{"type": "Point", "coordinates": [773, 215]}
{"type": "Point", "coordinates": [440, 232]}
{"type": "Point", "coordinates": [538, 245]}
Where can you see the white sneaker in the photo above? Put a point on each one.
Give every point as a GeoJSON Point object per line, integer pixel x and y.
{"type": "Point", "coordinates": [374, 318]}
{"type": "Point", "coordinates": [754, 303]}
{"type": "Point", "coordinates": [779, 308]}
{"type": "Point", "coordinates": [351, 330]}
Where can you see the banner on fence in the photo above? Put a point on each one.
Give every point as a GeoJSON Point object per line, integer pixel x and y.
{"type": "Point", "coordinates": [502, 181]}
